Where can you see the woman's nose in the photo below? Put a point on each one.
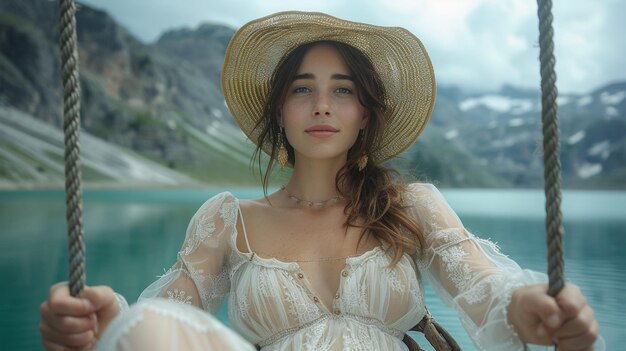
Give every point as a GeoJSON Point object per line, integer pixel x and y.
{"type": "Point", "coordinates": [322, 106]}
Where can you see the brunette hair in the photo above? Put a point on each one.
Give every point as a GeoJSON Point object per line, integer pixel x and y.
{"type": "Point", "coordinates": [374, 194]}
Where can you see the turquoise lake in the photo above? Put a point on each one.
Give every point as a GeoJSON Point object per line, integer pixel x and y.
{"type": "Point", "coordinates": [133, 235]}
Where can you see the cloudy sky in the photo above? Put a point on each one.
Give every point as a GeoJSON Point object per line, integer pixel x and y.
{"type": "Point", "coordinates": [475, 44]}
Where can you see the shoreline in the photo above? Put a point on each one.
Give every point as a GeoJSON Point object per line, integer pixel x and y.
{"type": "Point", "coordinates": [88, 185]}
{"type": "Point", "coordinates": [7, 187]}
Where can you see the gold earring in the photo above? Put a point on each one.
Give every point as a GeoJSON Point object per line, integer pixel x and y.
{"type": "Point", "coordinates": [362, 162]}
{"type": "Point", "coordinates": [283, 155]}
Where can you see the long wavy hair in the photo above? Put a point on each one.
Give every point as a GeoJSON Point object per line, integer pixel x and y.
{"type": "Point", "coordinates": [374, 194]}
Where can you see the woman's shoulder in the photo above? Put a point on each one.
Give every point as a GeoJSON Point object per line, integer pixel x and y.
{"type": "Point", "coordinates": [219, 203]}
{"type": "Point", "coordinates": [252, 208]}
{"type": "Point", "coordinates": [425, 202]}
{"type": "Point", "coordinates": [426, 198]}
{"type": "Point", "coordinates": [222, 197]}
{"type": "Point", "coordinates": [421, 189]}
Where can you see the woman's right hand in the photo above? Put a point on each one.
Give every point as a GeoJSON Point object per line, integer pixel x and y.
{"type": "Point", "coordinates": [71, 323]}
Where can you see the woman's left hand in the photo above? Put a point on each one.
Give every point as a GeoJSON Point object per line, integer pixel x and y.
{"type": "Point", "coordinates": [565, 321]}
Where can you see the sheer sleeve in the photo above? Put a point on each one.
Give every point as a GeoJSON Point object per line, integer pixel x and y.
{"type": "Point", "coordinates": [200, 276]}
{"type": "Point", "coordinates": [468, 273]}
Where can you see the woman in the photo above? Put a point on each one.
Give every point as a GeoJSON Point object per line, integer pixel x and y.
{"type": "Point", "coordinates": [333, 260]}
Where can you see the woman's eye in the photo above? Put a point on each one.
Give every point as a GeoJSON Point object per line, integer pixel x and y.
{"type": "Point", "coordinates": [301, 90]}
{"type": "Point", "coordinates": [344, 91]}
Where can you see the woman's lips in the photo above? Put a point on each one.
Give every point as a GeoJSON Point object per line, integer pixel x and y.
{"type": "Point", "coordinates": [322, 131]}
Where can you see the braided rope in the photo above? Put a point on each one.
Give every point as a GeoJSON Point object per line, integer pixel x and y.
{"type": "Point", "coordinates": [71, 127]}
{"type": "Point", "coordinates": [552, 164]}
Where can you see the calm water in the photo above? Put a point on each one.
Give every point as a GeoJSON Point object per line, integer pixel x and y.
{"type": "Point", "coordinates": [132, 236]}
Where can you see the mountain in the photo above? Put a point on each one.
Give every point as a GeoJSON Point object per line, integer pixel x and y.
{"type": "Point", "coordinates": [144, 99]}
{"type": "Point", "coordinates": [160, 106]}
{"type": "Point", "coordinates": [38, 148]}
{"type": "Point", "coordinates": [503, 131]}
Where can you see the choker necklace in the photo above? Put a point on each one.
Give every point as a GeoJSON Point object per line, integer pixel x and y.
{"type": "Point", "coordinates": [312, 204]}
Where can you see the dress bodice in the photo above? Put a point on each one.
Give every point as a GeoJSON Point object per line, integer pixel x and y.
{"type": "Point", "coordinates": [273, 304]}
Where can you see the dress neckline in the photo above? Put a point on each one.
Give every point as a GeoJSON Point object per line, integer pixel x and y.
{"type": "Point", "coordinates": [298, 274]}
{"type": "Point", "coordinates": [284, 264]}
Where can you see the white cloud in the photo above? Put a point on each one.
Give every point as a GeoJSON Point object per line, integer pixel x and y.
{"type": "Point", "coordinates": [477, 44]}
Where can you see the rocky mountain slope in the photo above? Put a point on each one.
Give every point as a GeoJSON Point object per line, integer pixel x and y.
{"type": "Point", "coordinates": [145, 99]}
{"type": "Point", "coordinates": [160, 106]}
{"type": "Point", "coordinates": [495, 139]}
{"type": "Point", "coordinates": [33, 151]}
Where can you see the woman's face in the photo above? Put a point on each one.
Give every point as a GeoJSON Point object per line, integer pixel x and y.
{"type": "Point", "coordinates": [322, 115]}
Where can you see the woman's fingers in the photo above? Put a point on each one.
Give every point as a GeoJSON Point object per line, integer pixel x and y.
{"type": "Point", "coordinates": [577, 324]}
{"type": "Point", "coordinates": [571, 301]}
{"type": "Point", "coordinates": [71, 340]}
{"type": "Point", "coordinates": [61, 302]}
{"type": "Point", "coordinates": [577, 327]}
{"type": "Point", "coordinates": [51, 346]}
{"type": "Point", "coordinates": [582, 342]}
{"type": "Point", "coordinates": [542, 319]}
{"type": "Point", "coordinates": [68, 324]}
{"type": "Point", "coordinates": [99, 297]}
{"type": "Point", "coordinates": [103, 299]}
{"type": "Point", "coordinates": [539, 305]}
{"type": "Point", "coordinates": [579, 332]}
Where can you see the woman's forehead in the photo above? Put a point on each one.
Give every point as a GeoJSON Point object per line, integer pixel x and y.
{"type": "Point", "coordinates": [323, 58]}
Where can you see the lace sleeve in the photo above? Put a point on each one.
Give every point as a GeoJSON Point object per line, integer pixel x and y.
{"type": "Point", "coordinates": [200, 275]}
{"type": "Point", "coordinates": [468, 273]}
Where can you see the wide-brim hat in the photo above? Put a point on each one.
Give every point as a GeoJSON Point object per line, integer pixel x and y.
{"type": "Point", "coordinates": [398, 56]}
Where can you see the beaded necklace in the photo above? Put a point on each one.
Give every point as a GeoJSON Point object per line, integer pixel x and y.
{"type": "Point", "coordinates": [312, 204]}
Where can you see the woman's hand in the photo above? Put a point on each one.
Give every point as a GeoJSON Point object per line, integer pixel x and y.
{"type": "Point", "coordinates": [566, 320]}
{"type": "Point", "coordinates": [70, 323]}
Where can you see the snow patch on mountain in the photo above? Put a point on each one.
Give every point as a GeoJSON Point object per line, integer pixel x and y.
{"type": "Point", "coordinates": [602, 149]}
{"type": "Point", "coordinates": [216, 113]}
{"type": "Point", "coordinates": [612, 98]}
{"type": "Point", "coordinates": [563, 100]}
{"type": "Point", "coordinates": [611, 111]}
{"type": "Point", "coordinates": [576, 137]}
{"type": "Point", "coordinates": [585, 100]}
{"type": "Point", "coordinates": [451, 134]}
{"type": "Point", "coordinates": [498, 103]}
{"type": "Point", "coordinates": [588, 170]}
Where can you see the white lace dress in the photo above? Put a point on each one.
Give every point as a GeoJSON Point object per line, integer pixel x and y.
{"type": "Point", "coordinates": [273, 303]}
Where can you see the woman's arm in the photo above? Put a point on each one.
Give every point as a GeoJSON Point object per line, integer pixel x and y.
{"type": "Point", "coordinates": [471, 275]}
{"type": "Point", "coordinates": [199, 277]}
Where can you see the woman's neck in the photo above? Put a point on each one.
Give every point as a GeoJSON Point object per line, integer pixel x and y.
{"type": "Point", "coordinates": [314, 180]}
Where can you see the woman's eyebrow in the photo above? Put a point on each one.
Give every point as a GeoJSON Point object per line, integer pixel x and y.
{"type": "Point", "coordinates": [304, 76]}
{"type": "Point", "coordinates": [336, 76]}
{"type": "Point", "coordinates": [339, 76]}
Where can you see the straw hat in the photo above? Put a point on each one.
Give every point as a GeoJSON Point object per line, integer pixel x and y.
{"type": "Point", "coordinates": [397, 55]}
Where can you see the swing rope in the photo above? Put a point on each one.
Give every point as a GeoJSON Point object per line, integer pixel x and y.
{"type": "Point", "coordinates": [551, 149]}
{"type": "Point", "coordinates": [552, 166]}
{"type": "Point", "coordinates": [71, 128]}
